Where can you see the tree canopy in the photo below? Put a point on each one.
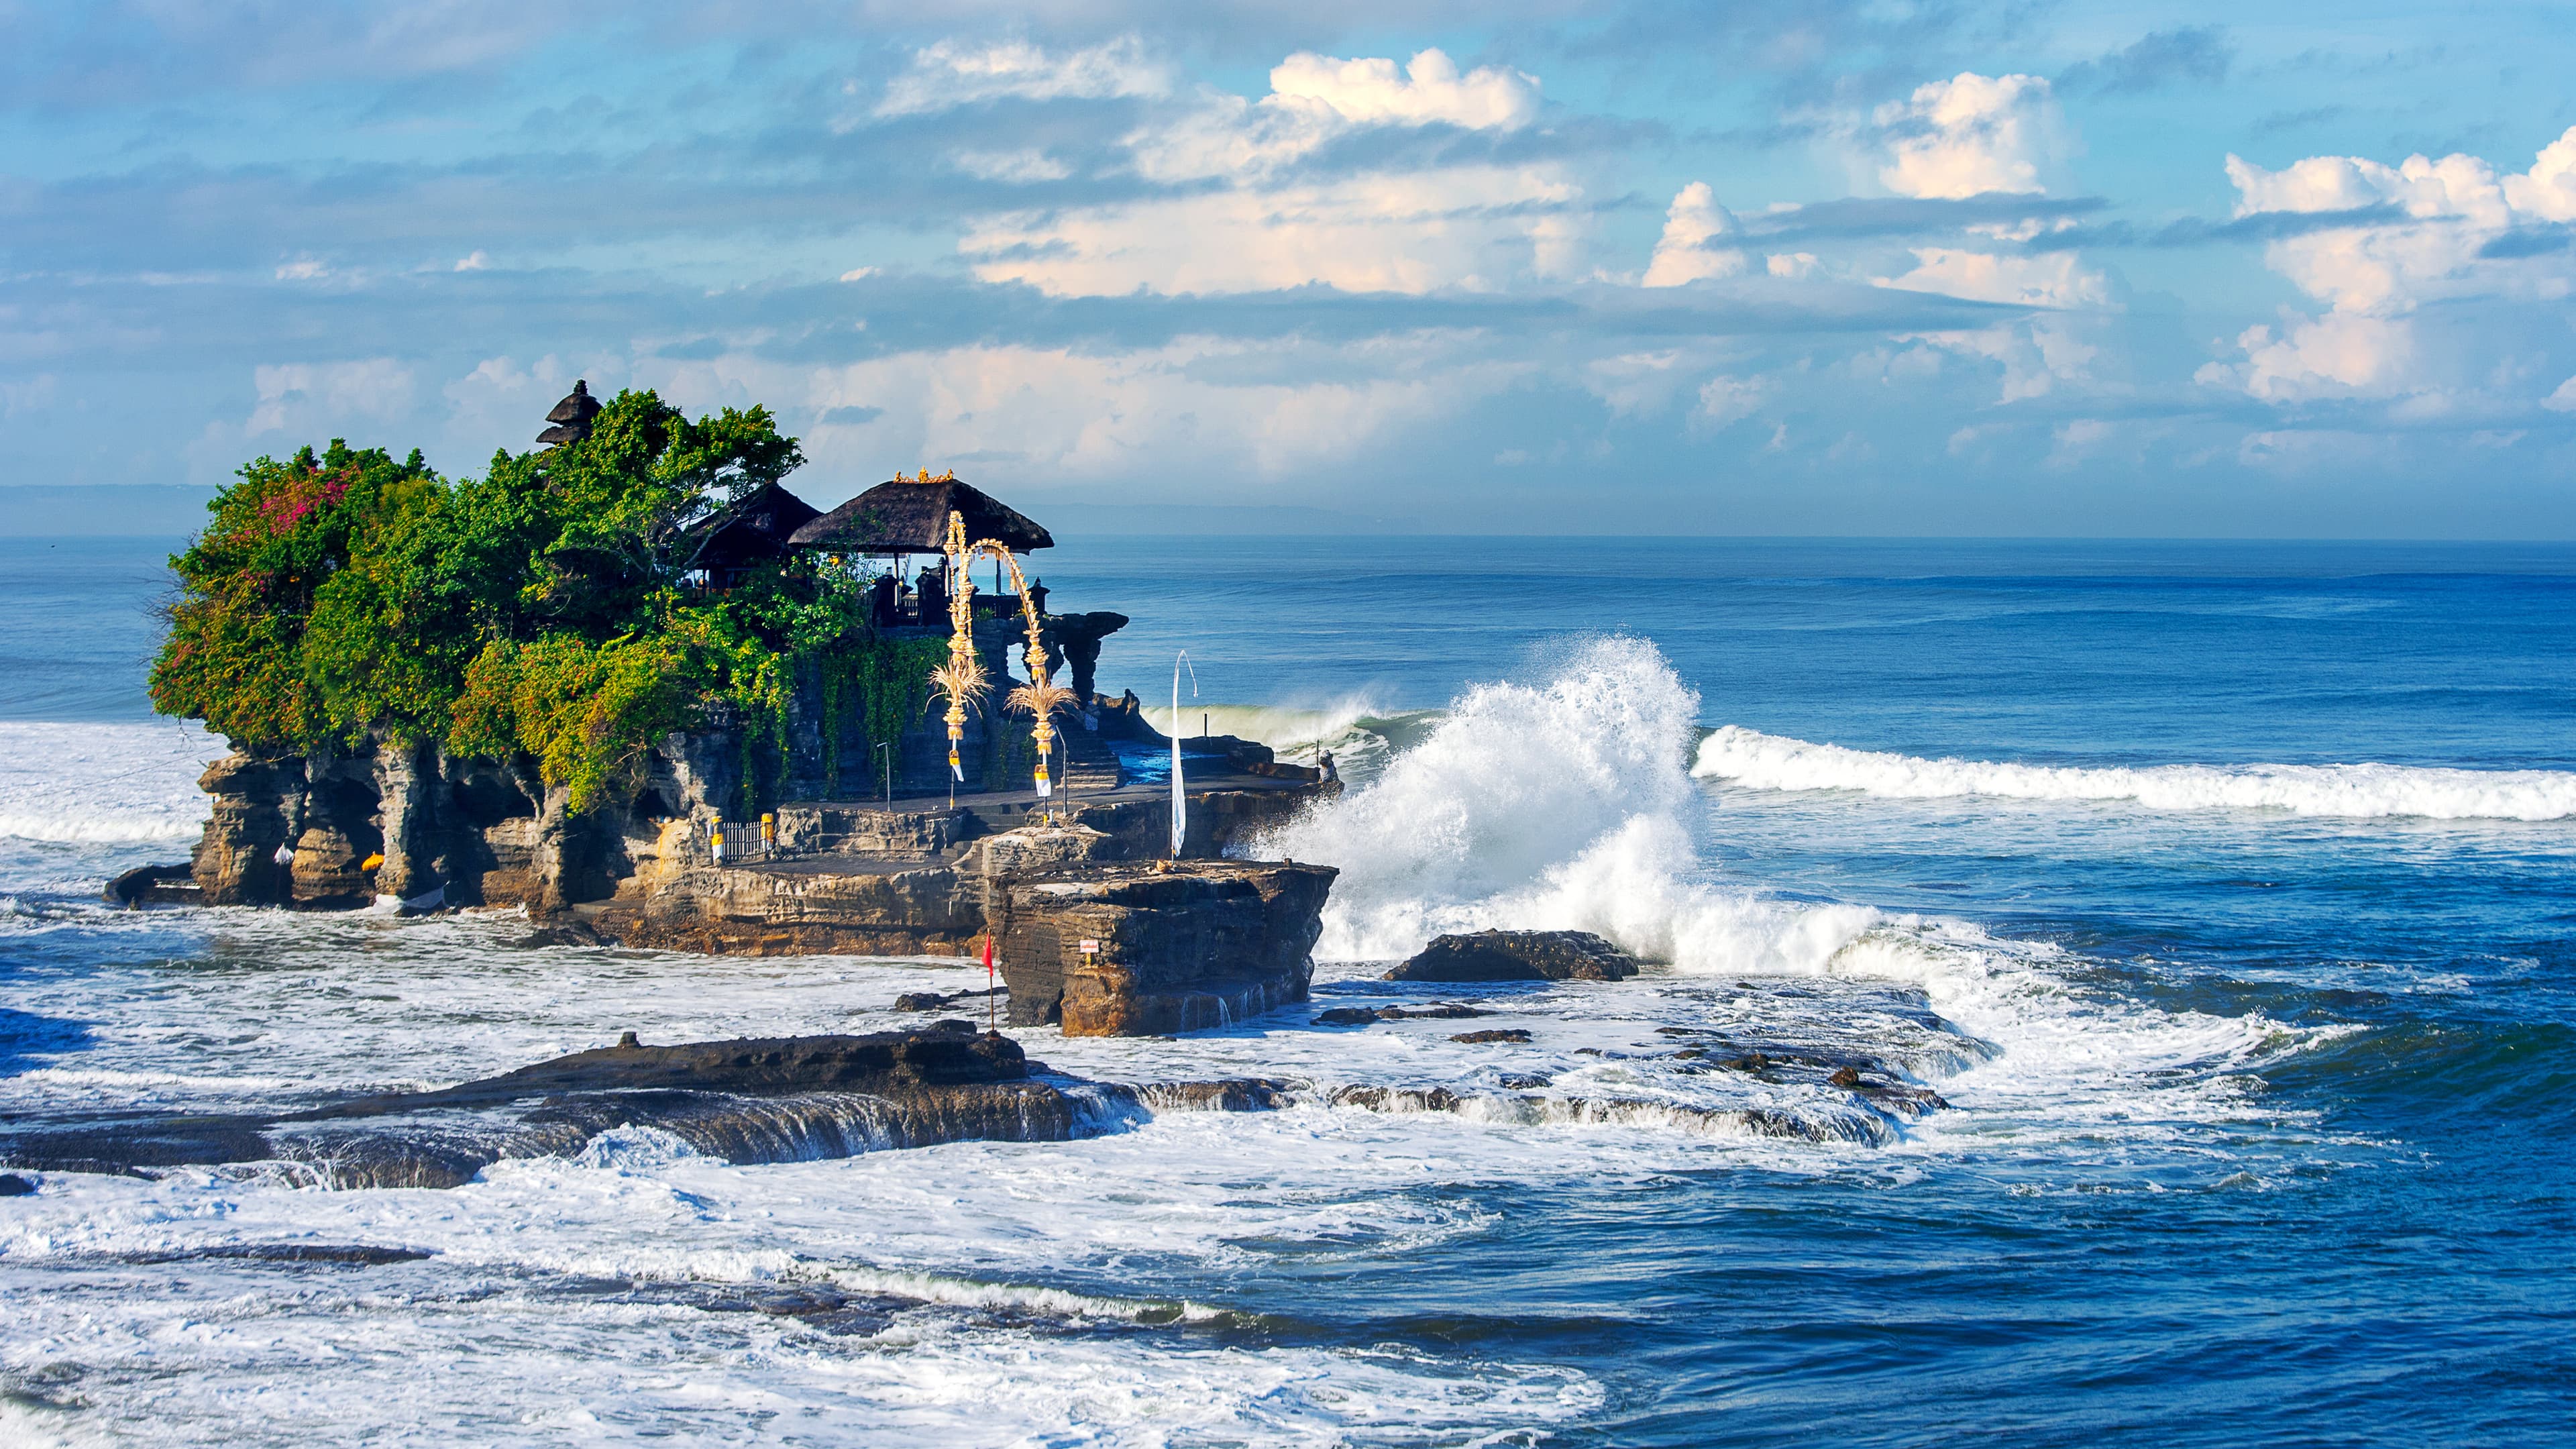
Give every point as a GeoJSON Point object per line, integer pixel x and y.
{"type": "Point", "coordinates": [540, 609]}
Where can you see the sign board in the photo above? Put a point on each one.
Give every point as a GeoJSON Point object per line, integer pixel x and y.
{"type": "Point", "coordinates": [1089, 945]}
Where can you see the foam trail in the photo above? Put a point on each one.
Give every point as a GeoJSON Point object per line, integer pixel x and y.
{"type": "Point", "coordinates": [103, 782]}
{"type": "Point", "coordinates": [1754, 760]}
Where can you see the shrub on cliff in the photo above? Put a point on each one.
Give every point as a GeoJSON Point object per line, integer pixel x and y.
{"type": "Point", "coordinates": [541, 608]}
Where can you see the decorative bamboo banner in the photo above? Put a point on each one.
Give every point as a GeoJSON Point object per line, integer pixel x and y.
{"type": "Point", "coordinates": [961, 680]}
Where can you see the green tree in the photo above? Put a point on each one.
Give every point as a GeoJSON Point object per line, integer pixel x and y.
{"type": "Point", "coordinates": [541, 608]}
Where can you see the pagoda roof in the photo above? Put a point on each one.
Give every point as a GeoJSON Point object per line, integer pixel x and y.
{"type": "Point", "coordinates": [910, 515]}
{"type": "Point", "coordinates": [571, 417]}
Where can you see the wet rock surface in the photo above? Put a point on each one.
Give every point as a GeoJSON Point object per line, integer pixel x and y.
{"type": "Point", "coordinates": [1370, 1015]}
{"type": "Point", "coordinates": [1518, 956]}
{"type": "Point", "coordinates": [1175, 946]}
{"type": "Point", "coordinates": [756, 1100]}
{"type": "Point", "coordinates": [155, 885]}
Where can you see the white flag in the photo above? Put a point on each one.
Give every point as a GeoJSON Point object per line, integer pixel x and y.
{"type": "Point", "coordinates": [1180, 801]}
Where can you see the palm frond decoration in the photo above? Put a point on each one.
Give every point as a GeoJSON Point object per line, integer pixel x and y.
{"type": "Point", "coordinates": [1041, 699]}
{"type": "Point", "coordinates": [960, 681]}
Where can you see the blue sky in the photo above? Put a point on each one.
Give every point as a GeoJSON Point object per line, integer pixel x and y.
{"type": "Point", "coordinates": [1853, 268]}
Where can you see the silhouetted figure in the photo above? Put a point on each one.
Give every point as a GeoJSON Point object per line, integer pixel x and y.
{"type": "Point", "coordinates": [1037, 596]}
{"type": "Point", "coordinates": [885, 606]}
{"type": "Point", "coordinates": [932, 590]}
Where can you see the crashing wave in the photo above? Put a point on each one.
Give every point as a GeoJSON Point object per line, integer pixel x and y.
{"type": "Point", "coordinates": [1753, 760]}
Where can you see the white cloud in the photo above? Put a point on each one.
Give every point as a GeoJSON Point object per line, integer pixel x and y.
{"type": "Point", "coordinates": [2037, 356]}
{"type": "Point", "coordinates": [1409, 233]}
{"type": "Point", "coordinates": [474, 261]}
{"type": "Point", "coordinates": [2072, 443]}
{"type": "Point", "coordinates": [1370, 92]}
{"type": "Point", "coordinates": [1696, 242]}
{"type": "Point", "coordinates": [1195, 407]}
{"type": "Point", "coordinates": [1315, 99]}
{"type": "Point", "coordinates": [1726, 401]}
{"type": "Point", "coordinates": [951, 74]}
{"type": "Point", "coordinates": [858, 274]}
{"type": "Point", "coordinates": [2548, 189]}
{"type": "Point", "coordinates": [2372, 276]}
{"type": "Point", "coordinates": [2341, 354]}
{"type": "Point", "coordinates": [1412, 230]}
{"type": "Point", "coordinates": [1969, 135]}
{"type": "Point", "coordinates": [2564, 399]}
{"type": "Point", "coordinates": [1636, 383]}
{"type": "Point", "coordinates": [2453, 207]}
{"type": "Point", "coordinates": [2048, 279]}
{"type": "Point", "coordinates": [1017, 167]}
{"type": "Point", "coordinates": [319, 395]}
{"type": "Point", "coordinates": [303, 269]}
{"type": "Point", "coordinates": [1790, 266]}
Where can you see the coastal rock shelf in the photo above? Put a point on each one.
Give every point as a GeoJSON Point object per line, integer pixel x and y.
{"type": "Point", "coordinates": [1854, 1079]}
{"type": "Point", "coordinates": [775, 1100]}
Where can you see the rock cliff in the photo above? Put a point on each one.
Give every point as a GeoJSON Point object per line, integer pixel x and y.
{"type": "Point", "coordinates": [1170, 949]}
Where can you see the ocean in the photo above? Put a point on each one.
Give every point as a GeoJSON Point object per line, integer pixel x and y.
{"type": "Point", "coordinates": [2220, 890]}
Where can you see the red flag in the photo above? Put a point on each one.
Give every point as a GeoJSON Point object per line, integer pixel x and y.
{"type": "Point", "coordinates": [989, 1004]}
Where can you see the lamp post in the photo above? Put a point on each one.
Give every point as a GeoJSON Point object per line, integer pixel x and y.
{"type": "Point", "coordinates": [887, 750]}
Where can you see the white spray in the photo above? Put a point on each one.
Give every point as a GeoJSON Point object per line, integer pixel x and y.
{"type": "Point", "coordinates": [1547, 805]}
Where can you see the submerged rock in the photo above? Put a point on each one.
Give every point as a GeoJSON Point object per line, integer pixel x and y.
{"type": "Point", "coordinates": [161, 885]}
{"type": "Point", "coordinates": [1518, 956]}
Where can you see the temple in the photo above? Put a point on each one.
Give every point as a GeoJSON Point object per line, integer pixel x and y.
{"type": "Point", "coordinates": [931, 783]}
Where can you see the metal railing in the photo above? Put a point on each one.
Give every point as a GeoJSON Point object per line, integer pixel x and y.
{"type": "Point", "coordinates": [730, 842]}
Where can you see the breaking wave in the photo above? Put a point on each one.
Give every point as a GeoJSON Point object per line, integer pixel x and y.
{"type": "Point", "coordinates": [1754, 760]}
{"type": "Point", "coordinates": [1557, 803]}
{"type": "Point", "coordinates": [1560, 803]}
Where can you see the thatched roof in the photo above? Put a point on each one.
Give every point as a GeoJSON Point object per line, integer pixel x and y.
{"type": "Point", "coordinates": [910, 515]}
{"type": "Point", "coordinates": [571, 417]}
{"type": "Point", "coordinates": [752, 528]}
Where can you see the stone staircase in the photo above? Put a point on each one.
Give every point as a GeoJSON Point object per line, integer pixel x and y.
{"type": "Point", "coordinates": [1089, 763]}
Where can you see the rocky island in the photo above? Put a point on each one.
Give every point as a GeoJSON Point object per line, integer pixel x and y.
{"type": "Point", "coordinates": [633, 683]}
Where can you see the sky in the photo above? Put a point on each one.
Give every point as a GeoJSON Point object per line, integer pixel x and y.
{"type": "Point", "coordinates": [1851, 267]}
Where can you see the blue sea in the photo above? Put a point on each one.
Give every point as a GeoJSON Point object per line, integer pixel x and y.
{"type": "Point", "coordinates": [2232, 878]}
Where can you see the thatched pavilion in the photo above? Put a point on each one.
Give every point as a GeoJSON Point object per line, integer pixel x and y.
{"type": "Point", "coordinates": [908, 516]}
{"type": "Point", "coordinates": [752, 530]}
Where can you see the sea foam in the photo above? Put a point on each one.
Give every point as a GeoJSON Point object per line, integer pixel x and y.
{"type": "Point", "coordinates": [95, 783]}
{"type": "Point", "coordinates": [1562, 802]}
{"type": "Point", "coordinates": [1753, 760]}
